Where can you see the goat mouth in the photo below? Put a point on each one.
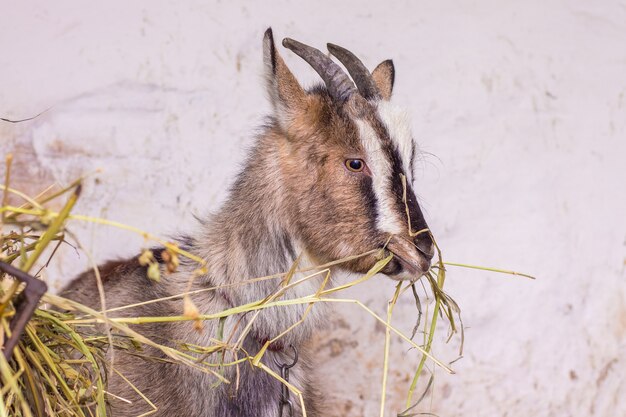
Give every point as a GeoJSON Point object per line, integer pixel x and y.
{"type": "Point", "coordinates": [413, 261]}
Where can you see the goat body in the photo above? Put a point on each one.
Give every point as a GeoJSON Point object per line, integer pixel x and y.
{"type": "Point", "coordinates": [322, 182]}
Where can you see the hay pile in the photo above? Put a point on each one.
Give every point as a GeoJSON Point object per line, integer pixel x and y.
{"type": "Point", "coordinates": [56, 369]}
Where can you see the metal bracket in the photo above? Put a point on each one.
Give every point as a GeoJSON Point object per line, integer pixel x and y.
{"type": "Point", "coordinates": [25, 305]}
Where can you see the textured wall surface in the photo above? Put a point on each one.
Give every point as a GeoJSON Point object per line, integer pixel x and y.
{"type": "Point", "coordinates": [519, 107]}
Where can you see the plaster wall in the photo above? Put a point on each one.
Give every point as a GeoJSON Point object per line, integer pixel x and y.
{"type": "Point", "coordinates": [519, 109]}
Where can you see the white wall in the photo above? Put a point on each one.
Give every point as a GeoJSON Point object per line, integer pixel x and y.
{"type": "Point", "coordinates": [520, 108]}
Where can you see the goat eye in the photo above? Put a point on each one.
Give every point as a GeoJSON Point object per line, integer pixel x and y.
{"type": "Point", "coordinates": [355, 165]}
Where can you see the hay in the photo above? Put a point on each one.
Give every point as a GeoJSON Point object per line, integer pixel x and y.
{"type": "Point", "coordinates": [58, 368]}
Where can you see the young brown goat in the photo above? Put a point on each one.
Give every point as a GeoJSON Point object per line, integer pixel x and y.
{"type": "Point", "coordinates": [324, 181]}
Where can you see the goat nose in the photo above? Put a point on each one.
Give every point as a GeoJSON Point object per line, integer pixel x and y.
{"type": "Point", "coordinates": [424, 243]}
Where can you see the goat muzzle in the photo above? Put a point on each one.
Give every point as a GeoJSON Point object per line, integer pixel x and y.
{"type": "Point", "coordinates": [414, 256]}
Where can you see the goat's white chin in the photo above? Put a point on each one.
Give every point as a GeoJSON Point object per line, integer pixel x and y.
{"type": "Point", "coordinates": [406, 276]}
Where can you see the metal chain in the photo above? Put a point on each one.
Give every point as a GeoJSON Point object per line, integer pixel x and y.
{"type": "Point", "coordinates": [284, 390]}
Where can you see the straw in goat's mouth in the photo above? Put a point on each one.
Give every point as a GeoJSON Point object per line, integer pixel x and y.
{"type": "Point", "coordinates": [46, 378]}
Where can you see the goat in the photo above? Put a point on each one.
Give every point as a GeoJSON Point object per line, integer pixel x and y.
{"type": "Point", "coordinates": [322, 182]}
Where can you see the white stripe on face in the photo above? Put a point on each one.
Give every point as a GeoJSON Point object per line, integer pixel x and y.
{"type": "Point", "coordinates": [388, 220]}
{"type": "Point", "coordinates": [396, 120]}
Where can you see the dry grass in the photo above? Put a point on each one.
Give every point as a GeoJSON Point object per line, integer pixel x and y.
{"type": "Point", "coordinates": [56, 369]}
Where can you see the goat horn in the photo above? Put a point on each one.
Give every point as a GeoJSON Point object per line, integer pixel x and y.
{"type": "Point", "coordinates": [359, 73]}
{"type": "Point", "coordinates": [338, 83]}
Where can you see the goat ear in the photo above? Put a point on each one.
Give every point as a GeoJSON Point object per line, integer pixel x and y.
{"type": "Point", "coordinates": [384, 75]}
{"type": "Point", "coordinates": [285, 92]}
